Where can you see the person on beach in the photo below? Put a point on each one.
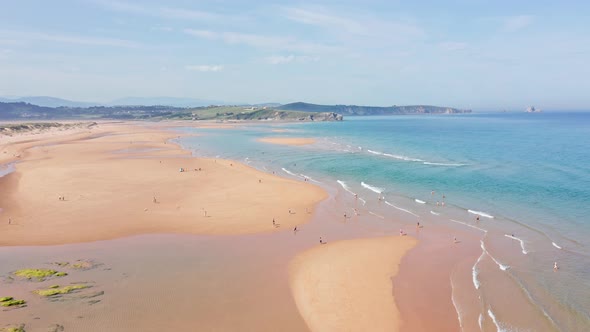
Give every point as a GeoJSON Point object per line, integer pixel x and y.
{"type": "Point", "coordinates": [432, 193]}
{"type": "Point", "coordinates": [455, 240]}
{"type": "Point", "coordinates": [356, 196]}
{"type": "Point", "coordinates": [442, 204]}
{"type": "Point", "coordinates": [154, 200]}
{"type": "Point", "coordinates": [290, 211]}
{"type": "Point", "coordinates": [344, 215]}
{"type": "Point", "coordinates": [417, 225]}
{"type": "Point", "coordinates": [321, 242]}
{"type": "Point", "coordinates": [555, 267]}
{"type": "Point", "coordinates": [9, 221]}
{"type": "Point", "coordinates": [356, 211]}
{"type": "Point", "coordinates": [273, 222]}
{"type": "Point", "coordinates": [437, 203]}
{"type": "Point", "coordinates": [477, 218]}
{"type": "Point", "coordinates": [295, 229]}
{"type": "Point", "coordinates": [204, 213]}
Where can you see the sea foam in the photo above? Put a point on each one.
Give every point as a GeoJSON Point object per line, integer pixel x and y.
{"type": "Point", "coordinates": [519, 240]}
{"type": "Point", "coordinates": [419, 201]}
{"type": "Point", "coordinates": [372, 188]}
{"type": "Point", "coordinates": [376, 215]}
{"type": "Point", "coordinates": [443, 164]}
{"type": "Point", "coordinates": [289, 172]}
{"type": "Point", "coordinates": [345, 186]}
{"type": "Point", "coordinates": [555, 245]}
{"type": "Point", "coordinates": [435, 213]}
{"type": "Point", "coordinates": [402, 209]}
{"type": "Point", "coordinates": [468, 225]}
{"type": "Point", "coordinates": [479, 213]}
{"type": "Point", "coordinates": [500, 265]}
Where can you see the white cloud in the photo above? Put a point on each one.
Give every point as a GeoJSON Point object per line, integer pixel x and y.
{"type": "Point", "coordinates": [452, 46]}
{"type": "Point", "coordinates": [161, 28]}
{"type": "Point", "coordinates": [514, 23]}
{"type": "Point", "coordinates": [262, 41]}
{"type": "Point", "coordinates": [162, 12]}
{"type": "Point", "coordinates": [358, 24]}
{"type": "Point", "coordinates": [71, 39]}
{"type": "Point", "coordinates": [204, 68]}
{"type": "Point", "coordinates": [284, 59]}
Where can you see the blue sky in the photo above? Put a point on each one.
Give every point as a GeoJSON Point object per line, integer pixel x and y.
{"type": "Point", "coordinates": [464, 53]}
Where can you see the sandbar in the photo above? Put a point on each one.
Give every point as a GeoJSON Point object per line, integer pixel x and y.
{"type": "Point", "coordinates": [288, 140]}
{"type": "Point", "coordinates": [347, 285]}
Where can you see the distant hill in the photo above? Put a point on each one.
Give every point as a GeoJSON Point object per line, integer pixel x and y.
{"type": "Point", "coordinates": [47, 101]}
{"type": "Point", "coordinates": [164, 101]}
{"type": "Point", "coordinates": [29, 112]}
{"type": "Point", "coordinates": [371, 110]}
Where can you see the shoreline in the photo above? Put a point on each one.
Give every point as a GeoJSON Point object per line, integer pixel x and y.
{"type": "Point", "coordinates": [141, 183]}
{"type": "Point", "coordinates": [293, 141]}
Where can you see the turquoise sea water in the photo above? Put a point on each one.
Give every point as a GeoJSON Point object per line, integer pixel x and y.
{"type": "Point", "coordinates": [524, 175]}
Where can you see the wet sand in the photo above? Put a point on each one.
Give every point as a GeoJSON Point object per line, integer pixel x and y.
{"type": "Point", "coordinates": [288, 140]}
{"type": "Point", "coordinates": [346, 285]}
{"type": "Point", "coordinates": [120, 180]}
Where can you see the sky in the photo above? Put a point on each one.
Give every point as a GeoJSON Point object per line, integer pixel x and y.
{"type": "Point", "coordinates": [461, 53]}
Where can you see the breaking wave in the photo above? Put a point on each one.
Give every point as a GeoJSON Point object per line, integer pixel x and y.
{"type": "Point", "coordinates": [402, 209]}
{"type": "Point", "coordinates": [524, 251]}
{"type": "Point", "coordinates": [479, 213]}
{"type": "Point", "coordinates": [372, 188]}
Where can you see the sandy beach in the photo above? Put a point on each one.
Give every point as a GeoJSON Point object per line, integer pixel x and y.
{"type": "Point", "coordinates": [347, 285]}
{"type": "Point", "coordinates": [288, 140]}
{"type": "Point", "coordinates": [115, 180]}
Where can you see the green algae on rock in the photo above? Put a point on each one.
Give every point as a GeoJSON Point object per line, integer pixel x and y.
{"type": "Point", "coordinates": [38, 274]}
{"type": "Point", "coordinates": [12, 328]}
{"type": "Point", "coordinates": [10, 301]}
{"type": "Point", "coordinates": [52, 291]}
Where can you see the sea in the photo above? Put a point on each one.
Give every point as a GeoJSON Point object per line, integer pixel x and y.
{"type": "Point", "coordinates": [519, 181]}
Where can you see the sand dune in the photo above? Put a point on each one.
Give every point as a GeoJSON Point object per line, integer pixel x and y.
{"type": "Point", "coordinates": [110, 176]}
{"type": "Point", "coordinates": [346, 285]}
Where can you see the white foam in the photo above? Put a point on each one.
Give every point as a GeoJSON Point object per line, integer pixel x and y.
{"type": "Point", "coordinates": [372, 188]}
{"type": "Point", "coordinates": [345, 186]}
{"type": "Point", "coordinates": [479, 213]}
{"type": "Point", "coordinates": [288, 172]}
{"type": "Point", "coordinates": [519, 240]}
{"type": "Point", "coordinates": [395, 156]}
{"type": "Point", "coordinates": [376, 215]}
{"type": "Point", "coordinates": [419, 201]}
{"type": "Point", "coordinates": [435, 213]}
{"type": "Point", "coordinates": [457, 310]}
{"type": "Point", "coordinates": [555, 245]}
{"type": "Point", "coordinates": [401, 209]}
{"type": "Point", "coordinates": [495, 320]}
{"type": "Point", "coordinates": [500, 265]}
{"type": "Point", "coordinates": [400, 157]}
{"type": "Point", "coordinates": [475, 271]}
{"type": "Point", "coordinates": [468, 225]}
{"type": "Point", "coordinates": [362, 200]}
{"type": "Point", "coordinates": [480, 322]}
{"type": "Point", "coordinates": [443, 164]}
{"type": "Point", "coordinates": [309, 178]}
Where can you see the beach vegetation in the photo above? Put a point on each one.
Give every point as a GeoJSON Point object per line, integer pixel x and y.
{"type": "Point", "coordinates": [60, 291]}
{"type": "Point", "coordinates": [38, 274]}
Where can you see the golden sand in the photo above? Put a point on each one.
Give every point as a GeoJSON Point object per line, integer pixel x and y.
{"type": "Point", "coordinates": [347, 285]}
{"type": "Point", "coordinates": [116, 179]}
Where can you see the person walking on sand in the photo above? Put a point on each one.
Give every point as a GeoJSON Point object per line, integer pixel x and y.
{"type": "Point", "coordinates": [295, 229]}
{"type": "Point", "coordinates": [9, 221]}
{"type": "Point", "coordinates": [477, 219]}
{"type": "Point", "coordinates": [321, 242]}
{"type": "Point", "coordinates": [273, 222]}
{"type": "Point", "coordinates": [455, 240]}
{"type": "Point", "coordinates": [555, 267]}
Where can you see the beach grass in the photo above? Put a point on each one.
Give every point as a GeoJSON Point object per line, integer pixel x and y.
{"type": "Point", "coordinates": [20, 328]}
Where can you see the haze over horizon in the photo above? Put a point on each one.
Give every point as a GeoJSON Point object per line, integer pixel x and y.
{"type": "Point", "coordinates": [466, 54]}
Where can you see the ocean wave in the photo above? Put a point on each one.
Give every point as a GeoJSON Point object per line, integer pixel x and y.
{"type": "Point", "coordinates": [457, 310]}
{"type": "Point", "coordinates": [309, 178]}
{"type": "Point", "coordinates": [362, 200]}
{"type": "Point", "coordinates": [372, 188]}
{"type": "Point", "coordinates": [475, 271]}
{"type": "Point", "coordinates": [419, 201]}
{"type": "Point", "coordinates": [519, 240]}
{"type": "Point", "coordinates": [395, 156]}
{"type": "Point", "coordinates": [288, 172]}
{"type": "Point", "coordinates": [444, 164]}
{"type": "Point", "coordinates": [479, 213]}
{"type": "Point", "coordinates": [556, 246]}
{"type": "Point", "coordinates": [376, 215]}
{"type": "Point", "coordinates": [402, 209]}
{"type": "Point", "coordinates": [480, 322]}
{"type": "Point", "coordinates": [500, 265]}
{"type": "Point", "coordinates": [468, 225]}
{"type": "Point", "coordinates": [345, 186]}
{"type": "Point", "coordinates": [435, 213]}
{"type": "Point", "coordinates": [493, 317]}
